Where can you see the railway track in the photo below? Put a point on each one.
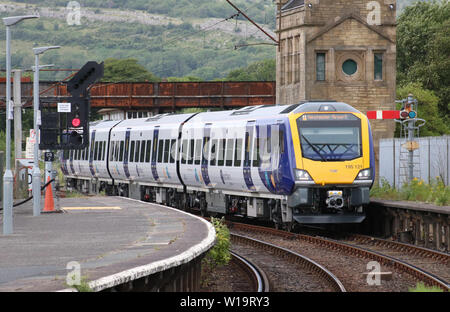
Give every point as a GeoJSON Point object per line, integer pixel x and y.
{"type": "Point", "coordinates": [433, 262]}
{"type": "Point", "coordinates": [301, 273]}
{"type": "Point", "coordinates": [417, 270]}
{"type": "Point", "coordinates": [258, 278]}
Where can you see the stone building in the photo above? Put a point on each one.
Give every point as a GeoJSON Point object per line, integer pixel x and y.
{"type": "Point", "coordinates": [341, 50]}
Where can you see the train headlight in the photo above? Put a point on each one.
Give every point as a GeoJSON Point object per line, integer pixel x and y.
{"type": "Point", "coordinates": [365, 174]}
{"type": "Point", "coordinates": [302, 175]}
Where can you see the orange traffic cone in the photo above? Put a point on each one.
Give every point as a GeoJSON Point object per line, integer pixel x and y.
{"type": "Point", "coordinates": [49, 205]}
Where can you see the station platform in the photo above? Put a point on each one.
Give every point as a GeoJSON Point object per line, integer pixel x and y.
{"type": "Point", "coordinates": [113, 239]}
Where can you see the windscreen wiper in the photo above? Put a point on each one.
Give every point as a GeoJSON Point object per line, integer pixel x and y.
{"type": "Point", "coordinates": [313, 148]}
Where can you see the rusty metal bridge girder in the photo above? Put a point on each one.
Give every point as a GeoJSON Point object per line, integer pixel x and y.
{"type": "Point", "coordinates": [166, 96]}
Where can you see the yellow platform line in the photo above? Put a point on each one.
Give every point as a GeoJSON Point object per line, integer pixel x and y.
{"type": "Point", "coordinates": [92, 208]}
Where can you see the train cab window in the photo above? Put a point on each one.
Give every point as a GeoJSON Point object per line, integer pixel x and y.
{"type": "Point", "coordinates": [148, 151]}
{"type": "Point", "coordinates": [142, 151]}
{"type": "Point", "coordinates": [229, 153]}
{"type": "Point", "coordinates": [191, 152]}
{"type": "Point", "coordinates": [213, 153]}
{"type": "Point", "coordinates": [166, 151]}
{"type": "Point", "coordinates": [172, 151]}
{"type": "Point", "coordinates": [184, 151]}
{"type": "Point", "coordinates": [221, 152]}
{"type": "Point", "coordinates": [104, 150]}
{"type": "Point", "coordinates": [122, 145]}
{"type": "Point", "coordinates": [160, 150]}
{"type": "Point", "coordinates": [198, 151]}
{"type": "Point", "coordinates": [132, 145]}
{"type": "Point", "coordinates": [238, 153]}
{"type": "Point", "coordinates": [137, 151]}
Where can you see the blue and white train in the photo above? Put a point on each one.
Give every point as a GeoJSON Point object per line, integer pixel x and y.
{"type": "Point", "coordinates": [311, 162]}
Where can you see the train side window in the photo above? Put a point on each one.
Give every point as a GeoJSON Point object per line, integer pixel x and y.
{"type": "Point", "coordinates": [96, 151]}
{"type": "Point", "coordinates": [256, 156]}
{"type": "Point", "coordinates": [205, 150]}
{"type": "Point", "coordinates": [103, 150]}
{"type": "Point", "coordinates": [198, 151]}
{"type": "Point", "coordinates": [100, 150]}
{"type": "Point", "coordinates": [184, 148]}
{"type": "Point", "coordinates": [281, 140]}
{"type": "Point", "coordinates": [116, 152]}
{"type": "Point", "coordinates": [229, 154]}
{"type": "Point", "coordinates": [213, 153]}
{"type": "Point", "coordinates": [111, 151]}
{"type": "Point", "coordinates": [238, 153]}
{"type": "Point", "coordinates": [148, 151]}
{"type": "Point", "coordinates": [160, 150]}
{"type": "Point", "coordinates": [172, 151]}
{"type": "Point", "coordinates": [166, 151]}
{"type": "Point", "coordinates": [137, 151]}
{"type": "Point", "coordinates": [122, 145]}
{"type": "Point", "coordinates": [132, 145]}
{"type": "Point", "coordinates": [221, 153]}
{"type": "Point", "coordinates": [191, 152]}
{"type": "Point", "coordinates": [142, 151]}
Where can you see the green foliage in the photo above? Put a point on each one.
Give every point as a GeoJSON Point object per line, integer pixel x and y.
{"type": "Point", "coordinates": [184, 79]}
{"type": "Point", "coordinates": [220, 254]}
{"type": "Point", "coordinates": [259, 71]}
{"type": "Point", "coordinates": [421, 287]}
{"type": "Point", "coordinates": [179, 49]}
{"type": "Point", "coordinates": [434, 193]}
{"type": "Point", "coordinates": [428, 109]}
{"type": "Point", "coordinates": [126, 70]}
{"type": "Point", "coordinates": [423, 49]}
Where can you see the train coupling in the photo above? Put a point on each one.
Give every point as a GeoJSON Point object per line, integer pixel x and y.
{"type": "Point", "coordinates": [335, 200]}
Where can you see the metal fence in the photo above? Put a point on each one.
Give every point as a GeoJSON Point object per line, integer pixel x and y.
{"type": "Point", "coordinates": [431, 160]}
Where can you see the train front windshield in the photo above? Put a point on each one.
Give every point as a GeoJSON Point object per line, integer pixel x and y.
{"type": "Point", "coordinates": [330, 137]}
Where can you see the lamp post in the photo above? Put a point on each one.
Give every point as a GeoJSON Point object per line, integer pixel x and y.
{"type": "Point", "coordinates": [36, 174]}
{"type": "Point", "coordinates": [8, 178]}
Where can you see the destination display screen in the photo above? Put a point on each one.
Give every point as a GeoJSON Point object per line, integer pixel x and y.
{"type": "Point", "coordinates": [325, 117]}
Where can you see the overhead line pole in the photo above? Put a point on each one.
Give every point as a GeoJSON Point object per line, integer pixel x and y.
{"type": "Point", "coordinates": [251, 21]}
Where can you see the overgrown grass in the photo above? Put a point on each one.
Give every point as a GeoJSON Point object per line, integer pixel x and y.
{"type": "Point", "coordinates": [420, 287]}
{"type": "Point", "coordinates": [417, 190]}
{"type": "Point", "coordinates": [219, 255]}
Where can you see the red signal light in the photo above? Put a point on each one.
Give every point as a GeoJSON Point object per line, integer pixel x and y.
{"type": "Point", "coordinates": [404, 114]}
{"type": "Point", "coordinates": [76, 122]}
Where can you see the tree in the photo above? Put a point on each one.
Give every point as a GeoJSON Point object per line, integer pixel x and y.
{"type": "Point", "coordinates": [259, 71]}
{"type": "Point", "coordinates": [427, 109]}
{"type": "Point", "coordinates": [423, 46]}
{"type": "Point", "coordinates": [126, 70]}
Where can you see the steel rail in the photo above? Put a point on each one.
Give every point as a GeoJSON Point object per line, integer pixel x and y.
{"type": "Point", "coordinates": [418, 273]}
{"type": "Point", "coordinates": [255, 274]}
{"type": "Point", "coordinates": [293, 257]}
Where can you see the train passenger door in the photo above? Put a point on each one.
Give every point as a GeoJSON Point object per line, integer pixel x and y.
{"type": "Point", "coordinates": [125, 157]}
{"type": "Point", "coordinates": [205, 154]}
{"type": "Point", "coordinates": [154, 153]}
{"type": "Point", "coordinates": [249, 134]}
{"type": "Point", "coordinates": [91, 154]}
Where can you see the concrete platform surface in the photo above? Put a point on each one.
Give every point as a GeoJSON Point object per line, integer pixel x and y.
{"type": "Point", "coordinates": [113, 239]}
{"type": "Point", "coordinates": [410, 205]}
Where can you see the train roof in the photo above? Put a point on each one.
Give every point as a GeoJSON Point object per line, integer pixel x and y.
{"type": "Point", "coordinates": [245, 113]}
